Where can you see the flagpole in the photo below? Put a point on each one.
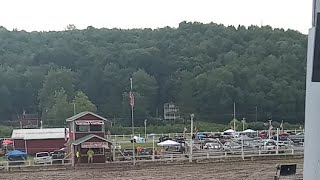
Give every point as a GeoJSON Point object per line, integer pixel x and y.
{"type": "Point", "coordinates": [132, 123]}
{"type": "Point", "coordinates": [270, 127]}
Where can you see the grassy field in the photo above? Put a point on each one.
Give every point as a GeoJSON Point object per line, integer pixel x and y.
{"type": "Point", "coordinates": [143, 145]}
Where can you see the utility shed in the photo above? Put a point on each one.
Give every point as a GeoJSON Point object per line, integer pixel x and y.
{"type": "Point", "coordinates": [39, 140]}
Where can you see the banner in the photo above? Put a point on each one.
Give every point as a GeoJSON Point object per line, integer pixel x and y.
{"type": "Point", "coordinates": [95, 145]}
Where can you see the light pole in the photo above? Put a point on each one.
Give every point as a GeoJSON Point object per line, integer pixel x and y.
{"type": "Point", "coordinates": [132, 123]}
{"type": "Point", "coordinates": [145, 130]}
{"type": "Point", "coordinates": [234, 116]}
{"type": "Point", "coordinates": [191, 141]}
{"type": "Point", "coordinates": [243, 122]}
{"type": "Point", "coordinates": [153, 148]}
{"type": "Point", "coordinates": [242, 152]}
{"type": "Point", "coordinates": [277, 141]}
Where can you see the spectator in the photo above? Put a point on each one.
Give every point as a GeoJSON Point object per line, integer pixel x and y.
{"type": "Point", "coordinates": [90, 154]}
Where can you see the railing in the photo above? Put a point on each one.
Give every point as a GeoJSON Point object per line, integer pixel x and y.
{"type": "Point", "coordinates": [170, 157]}
{"type": "Point", "coordinates": [9, 165]}
{"type": "Point", "coordinates": [212, 154]}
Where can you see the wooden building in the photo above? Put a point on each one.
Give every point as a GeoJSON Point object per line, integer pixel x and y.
{"type": "Point", "coordinates": [87, 131]}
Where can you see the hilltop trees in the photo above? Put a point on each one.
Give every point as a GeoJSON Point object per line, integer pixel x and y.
{"type": "Point", "coordinates": [203, 68]}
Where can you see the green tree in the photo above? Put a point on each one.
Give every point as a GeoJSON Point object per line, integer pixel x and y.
{"type": "Point", "coordinates": [147, 87]}
{"type": "Point", "coordinates": [60, 111]}
{"type": "Point", "coordinates": [82, 103]}
{"type": "Point", "coordinates": [54, 81]}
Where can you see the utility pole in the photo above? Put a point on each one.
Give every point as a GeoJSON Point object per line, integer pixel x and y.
{"type": "Point", "coordinates": [145, 130]}
{"type": "Point", "coordinates": [191, 141]}
{"type": "Point", "coordinates": [132, 123]}
{"type": "Point", "coordinates": [234, 116]}
{"type": "Point", "coordinates": [277, 152]}
{"type": "Point", "coordinates": [243, 122]}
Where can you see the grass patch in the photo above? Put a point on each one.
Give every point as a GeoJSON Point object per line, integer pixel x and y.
{"type": "Point", "coordinates": [143, 145]}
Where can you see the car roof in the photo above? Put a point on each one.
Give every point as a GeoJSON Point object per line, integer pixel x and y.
{"type": "Point", "coordinates": [42, 152]}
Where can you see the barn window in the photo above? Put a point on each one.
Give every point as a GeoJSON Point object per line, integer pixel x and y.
{"type": "Point", "coordinates": [95, 128]}
{"type": "Point", "coordinates": [82, 128]}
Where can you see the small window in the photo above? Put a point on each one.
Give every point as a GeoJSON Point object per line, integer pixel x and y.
{"type": "Point", "coordinates": [95, 128]}
{"type": "Point", "coordinates": [83, 128]}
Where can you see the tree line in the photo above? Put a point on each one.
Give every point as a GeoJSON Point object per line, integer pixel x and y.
{"type": "Point", "coordinates": [203, 68]}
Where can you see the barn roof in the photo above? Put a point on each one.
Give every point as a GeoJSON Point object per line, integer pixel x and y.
{"type": "Point", "coordinates": [77, 116]}
{"type": "Point", "coordinates": [86, 138]}
{"type": "Point", "coordinates": [47, 133]}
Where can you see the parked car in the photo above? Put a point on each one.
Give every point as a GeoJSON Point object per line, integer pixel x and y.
{"type": "Point", "coordinates": [215, 146]}
{"type": "Point", "coordinates": [179, 139]}
{"type": "Point", "coordinates": [57, 156]}
{"type": "Point", "coordinates": [42, 158]}
{"type": "Point", "coordinates": [164, 138]}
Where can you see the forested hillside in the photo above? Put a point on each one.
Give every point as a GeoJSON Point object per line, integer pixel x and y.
{"type": "Point", "coordinates": [203, 68]}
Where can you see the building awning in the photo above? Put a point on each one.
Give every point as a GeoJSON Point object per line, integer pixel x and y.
{"type": "Point", "coordinates": [82, 141]}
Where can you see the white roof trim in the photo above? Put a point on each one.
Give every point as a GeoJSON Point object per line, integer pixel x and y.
{"type": "Point", "coordinates": [83, 114]}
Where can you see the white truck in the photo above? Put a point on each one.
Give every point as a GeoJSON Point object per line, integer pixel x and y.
{"type": "Point", "coordinates": [42, 158]}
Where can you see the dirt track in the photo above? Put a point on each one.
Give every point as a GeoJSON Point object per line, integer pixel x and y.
{"type": "Point", "coordinates": [242, 170]}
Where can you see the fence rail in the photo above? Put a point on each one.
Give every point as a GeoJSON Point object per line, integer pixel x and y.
{"type": "Point", "coordinates": [9, 165]}
{"type": "Point", "coordinates": [170, 157]}
{"type": "Point", "coordinates": [213, 155]}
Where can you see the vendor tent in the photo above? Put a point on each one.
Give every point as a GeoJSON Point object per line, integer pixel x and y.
{"type": "Point", "coordinates": [7, 142]}
{"type": "Point", "coordinates": [16, 153]}
{"type": "Point", "coordinates": [229, 131]}
{"type": "Point", "coordinates": [168, 143]}
{"type": "Point", "coordinates": [249, 131]}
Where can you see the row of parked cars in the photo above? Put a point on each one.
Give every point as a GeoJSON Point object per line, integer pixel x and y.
{"type": "Point", "coordinates": [17, 157]}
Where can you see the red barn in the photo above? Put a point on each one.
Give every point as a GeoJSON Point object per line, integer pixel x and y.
{"type": "Point", "coordinates": [39, 140]}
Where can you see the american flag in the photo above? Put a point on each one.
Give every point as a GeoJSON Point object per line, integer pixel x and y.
{"type": "Point", "coordinates": [281, 127]}
{"type": "Point", "coordinates": [269, 130]}
{"type": "Point", "coordinates": [66, 134]}
{"type": "Point", "coordinates": [131, 99]}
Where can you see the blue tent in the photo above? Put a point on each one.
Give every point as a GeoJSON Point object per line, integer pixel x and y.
{"type": "Point", "coordinates": [16, 153]}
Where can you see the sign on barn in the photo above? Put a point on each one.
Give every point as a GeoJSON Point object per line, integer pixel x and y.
{"type": "Point", "coordinates": [95, 145]}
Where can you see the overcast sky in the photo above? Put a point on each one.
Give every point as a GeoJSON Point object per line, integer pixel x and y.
{"type": "Point", "coordinates": [44, 15]}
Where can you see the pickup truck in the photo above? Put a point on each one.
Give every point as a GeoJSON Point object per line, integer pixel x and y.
{"type": "Point", "coordinates": [42, 158]}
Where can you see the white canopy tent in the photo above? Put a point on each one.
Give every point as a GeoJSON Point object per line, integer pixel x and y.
{"type": "Point", "coordinates": [229, 131]}
{"type": "Point", "coordinates": [168, 143]}
{"type": "Point", "coordinates": [249, 131]}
